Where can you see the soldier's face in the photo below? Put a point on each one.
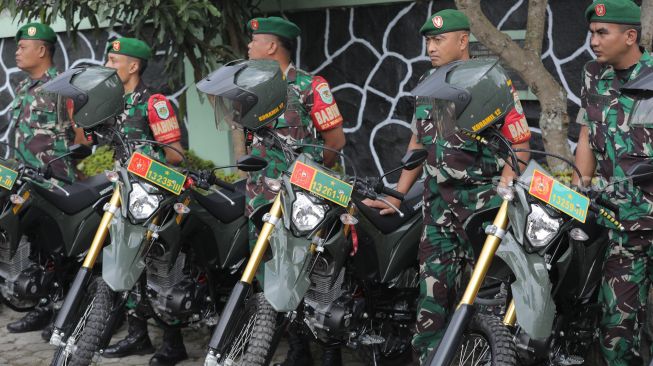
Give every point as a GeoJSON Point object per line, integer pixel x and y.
{"type": "Point", "coordinates": [260, 47]}
{"type": "Point", "coordinates": [611, 42]}
{"type": "Point", "coordinates": [447, 47]}
{"type": "Point", "coordinates": [124, 65]}
{"type": "Point", "coordinates": [29, 53]}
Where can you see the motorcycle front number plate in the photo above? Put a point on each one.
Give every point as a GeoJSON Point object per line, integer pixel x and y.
{"type": "Point", "coordinates": [7, 177]}
{"type": "Point", "coordinates": [321, 184]}
{"type": "Point", "coordinates": [558, 195]}
{"type": "Point", "coordinates": [156, 173]}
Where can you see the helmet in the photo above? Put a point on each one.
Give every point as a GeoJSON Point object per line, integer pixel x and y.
{"type": "Point", "coordinates": [87, 95]}
{"type": "Point", "coordinates": [476, 93]}
{"type": "Point", "coordinates": [247, 93]}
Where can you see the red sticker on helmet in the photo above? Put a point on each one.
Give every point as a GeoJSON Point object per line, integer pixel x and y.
{"type": "Point", "coordinates": [438, 22]}
{"type": "Point", "coordinates": [599, 9]}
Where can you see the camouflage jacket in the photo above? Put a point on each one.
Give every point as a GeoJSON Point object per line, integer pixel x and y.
{"type": "Point", "coordinates": [618, 140]}
{"type": "Point", "coordinates": [461, 173]}
{"type": "Point", "coordinates": [310, 109]}
{"type": "Point", "coordinates": [134, 121]}
{"type": "Point", "coordinates": [40, 136]}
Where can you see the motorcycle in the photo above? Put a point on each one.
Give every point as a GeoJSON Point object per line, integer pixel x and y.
{"type": "Point", "coordinates": [315, 279]}
{"type": "Point", "coordinates": [45, 231]}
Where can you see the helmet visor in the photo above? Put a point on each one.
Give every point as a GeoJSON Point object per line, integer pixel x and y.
{"type": "Point", "coordinates": [642, 112]}
{"type": "Point", "coordinates": [440, 113]}
{"type": "Point", "coordinates": [227, 112]}
{"type": "Point", "coordinates": [65, 109]}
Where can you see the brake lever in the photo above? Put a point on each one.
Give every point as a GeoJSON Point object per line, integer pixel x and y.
{"type": "Point", "coordinates": [217, 191]}
{"type": "Point", "coordinates": [401, 214]}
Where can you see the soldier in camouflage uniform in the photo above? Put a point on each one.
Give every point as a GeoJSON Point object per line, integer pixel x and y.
{"type": "Point", "coordinates": [39, 137]}
{"type": "Point", "coordinates": [311, 117]}
{"type": "Point", "coordinates": [460, 176]}
{"type": "Point", "coordinates": [613, 138]}
{"type": "Point", "coordinates": [147, 116]}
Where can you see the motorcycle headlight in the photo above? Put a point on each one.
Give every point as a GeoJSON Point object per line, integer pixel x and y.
{"type": "Point", "coordinates": [305, 213]}
{"type": "Point", "coordinates": [540, 227]}
{"type": "Point", "coordinates": [142, 204]}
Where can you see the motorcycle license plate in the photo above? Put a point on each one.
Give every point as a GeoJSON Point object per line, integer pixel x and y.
{"type": "Point", "coordinates": [321, 184]}
{"type": "Point", "coordinates": [558, 195]}
{"type": "Point", "coordinates": [156, 173]}
{"type": "Point", "coordinates": [7, 177]}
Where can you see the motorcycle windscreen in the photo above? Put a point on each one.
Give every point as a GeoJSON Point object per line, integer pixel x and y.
{"type": "Point", "coordinates": [286, 274]}
{"type": "Point", "coordinates": [531, 290]}
{"type": "Point", "coordinates": [122, 260]}
{"type": "Point", "coordinates": [439, 114]}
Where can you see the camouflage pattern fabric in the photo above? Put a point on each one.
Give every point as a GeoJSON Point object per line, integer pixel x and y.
{"type": "Point", "coordinates": [442, 257]}
{"type": "Point", "coordinates": [619, 140]}
{"type": "Point", "coordinates": [460, 176]}
{"type": "Point", "coordinates": [134, 121]}
{"type": "Point", "coordinates": [623, 293]}
{"type": "Point", "coordinates": [40, 137]}
{"type": "Point", "coordinates": [295, 126]}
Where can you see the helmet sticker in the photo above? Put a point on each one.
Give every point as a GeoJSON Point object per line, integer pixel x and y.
{"type": "Point", "coordinates": [599, 9]}
{"type": "Point", "coordinates": [264, 117]}
{"type": "Point", "coordinates": [31, 31]}
{"type": "Point", "coordinates": [486, 121]}
{"type": "Point", "coordinates": [438, 22]}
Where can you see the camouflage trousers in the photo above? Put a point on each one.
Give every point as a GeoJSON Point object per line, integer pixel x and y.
{"type": "Point", "coordinates": [627, 274]}
{"type": "Point", "coordinates": [442, 259]}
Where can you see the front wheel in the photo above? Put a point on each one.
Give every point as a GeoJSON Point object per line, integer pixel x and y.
{"type": "Point", "coordinates": [487, 342]}
{"type": "Point", "coordinates": [254, 334]}
{"type": "Point", "coordinates": [91, 329]}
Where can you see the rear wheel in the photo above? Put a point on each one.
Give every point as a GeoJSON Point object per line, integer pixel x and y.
{"type": "Point", "coordinates": [487, 342]}
{"type": "Point", "coordinates": [95, 313]}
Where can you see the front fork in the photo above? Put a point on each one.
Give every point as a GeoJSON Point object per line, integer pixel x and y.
{"type": "Point", "coordinates": [243, 287]}
{"type": "Point", "coordinates": [74, 296]}
{"type": "Point", "coordinates": [446, 351]}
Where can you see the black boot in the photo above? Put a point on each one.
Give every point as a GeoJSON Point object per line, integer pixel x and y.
{"type": "Point", "coordinates": [36, 319]}
{"type": "Point", "coordinates": [332, 356]}
{"type": "Point", "coordinates": [299, 350]}
{"type": "Point", "coordinates": [137, 341]}
{"type": "Point", "coordinates": [172, 351]}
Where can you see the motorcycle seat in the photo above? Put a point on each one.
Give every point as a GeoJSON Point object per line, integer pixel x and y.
{"type": "Point", "coordinates": [220, 207]}
{"type": "Point", "coordinates": [81, 194]}
{"type": "Point", "coordinates": [410, 206]}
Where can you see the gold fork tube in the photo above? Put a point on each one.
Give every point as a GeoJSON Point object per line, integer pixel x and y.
{"type": "Point", "coordinates": [262, 242]}
{"type": "Point", "coordinates": [103, 229]}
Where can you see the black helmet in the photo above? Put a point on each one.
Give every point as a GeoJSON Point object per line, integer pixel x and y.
{"type": "Point", "coordinates": [89, 95]}
{"type": "Point", "coordinates": [247, 93]}
{"type": "Point", "coordinates": [477, 92]}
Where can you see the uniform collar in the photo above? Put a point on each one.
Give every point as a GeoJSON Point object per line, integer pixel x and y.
{"type": "Point", "coordinates": [644, 61]}
{"type": "Point", "coordinates": [50, 74]}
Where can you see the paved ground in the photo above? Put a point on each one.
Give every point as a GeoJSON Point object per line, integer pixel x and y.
{"type": "Point", "coordinates": [28, 348]}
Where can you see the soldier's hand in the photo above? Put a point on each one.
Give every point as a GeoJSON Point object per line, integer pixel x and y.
{"type": "Point", "coordinates": [385, 209]}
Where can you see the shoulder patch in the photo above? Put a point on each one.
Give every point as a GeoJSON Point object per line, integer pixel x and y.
{"type": "Point", "coordinates": [161, 108]}
{"type": "Point", "coordinates": [324, 92]}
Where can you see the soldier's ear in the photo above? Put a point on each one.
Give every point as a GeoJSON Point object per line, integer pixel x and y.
{"type": "Point", "coordinates": [42, 50]}
{"type": "Point", "coordinates": [273, 47]}
{"type": "Point", "coordinates": [631, 37]}
{"type": "Point", "coordinates": [133, 67]}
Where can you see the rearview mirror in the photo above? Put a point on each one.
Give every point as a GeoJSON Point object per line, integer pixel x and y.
{"type": "Point", "coordinates": [250, 163]}
{"type": "Point", "coordinates": [414, 158]}
{"type": "Point", "coordinates": [79, 151]}
{"type": "Point", "coordinates": [641, 172]}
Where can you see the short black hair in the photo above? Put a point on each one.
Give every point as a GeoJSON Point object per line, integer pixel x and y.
{"type": "Point", "coordinates": [289, 45]}
{"type": "Point", "coordinates": [636, 27]}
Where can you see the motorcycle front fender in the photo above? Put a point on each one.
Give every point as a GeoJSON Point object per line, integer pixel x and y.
{"type": "Point", "coordinates": [532, 289]}
{"type": "Point", "coordinates": [122, 260]}
{"type": "Point", "coordinates": [286, 274]}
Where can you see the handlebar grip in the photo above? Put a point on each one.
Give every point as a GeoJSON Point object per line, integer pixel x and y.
{"type": "Point", "coordinates": [607, 204]}
{"type": "Point", "coordinates": [392, 193]}
{"type": "Point", "coordinates": [219, 182]}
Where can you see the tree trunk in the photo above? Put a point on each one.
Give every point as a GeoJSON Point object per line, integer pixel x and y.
{"type": "Point", "coordinates": [647, 24]}
{"type": "Point", "coordinates": [554, 119]}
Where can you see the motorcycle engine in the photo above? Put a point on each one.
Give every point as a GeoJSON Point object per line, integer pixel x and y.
{"type": "Point", "coordinates": [329, 311]}
{"type": "Point", "coordinates": [175, 297]}
{"type": "Point", "coordinates": [23, 279]}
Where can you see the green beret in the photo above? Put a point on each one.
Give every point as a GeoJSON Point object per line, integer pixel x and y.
{"type": "Point", "coordinates": [274, 25]}
{"type": "Point", "coordinates": [613, 11]}
{"type": "Point", "coordinates": [445, 21]}
{"type": "Point", "coordinates": [130, 47]}
{"type": "Point", "coordinates": [36, 31]}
